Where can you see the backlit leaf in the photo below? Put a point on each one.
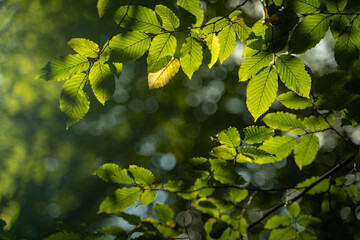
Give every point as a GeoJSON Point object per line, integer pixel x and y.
{"type": "Point", "coordinates": [347, 46]}
{"type": "Point", "coordinates": [111, 172]}
{"type": "Point", "coordinates": [307, 220]}
{"type": "Point", "coordinates": [293, 101]}
{"type": "Point", "coordinates": [238, 195]}
{"type": "Point", "coordinates": [193, 7]}
{"type": "Point", "coordinates": [229, 137]}
{"type": "Point", "coordinates": [142, 176]}
{"type": "Point", "coordinates": [102, 6]}
{"type": "Point", "coordinates": [242, 30]}
{"type": "Point", "coordinates": [163, 76]}
{"type": "Point", "coordinates": [162, 46]}
{"type": "Point", "coordinates": [284, 121]}
{"type": "Point", "coordinates": [163, 212]}
{"type": "Point", "coordinates": [288, 233]}
{"type": "Point", "coordinates": [281, 146]}
{"type": "Point", "coordinates": [84, 47]}
{"type": "Point", "coordinates": [212, 41]}
{"type": "Point", "coordinates": [170, 21]}
{"type": "Point", "coordinates": [335, 5]}
{"type": "Point", "coordinates": [124, 198]}
{"type": "Point", "coordinates": [304, 6]}
{"type": "Point", "coordinates": [227, 40]}
{"type": "Point", "coordinates": [147, 197]}
{"type": "Point", "coordinates": [314, 123]}
{"type": "Point", "coordinates": [321, 187]}
{"type": "Point", "coordinates": [293, 209]}
{"type": "Point", "coordinates": [215, 25]}
{"type": "Point", "coordinates": [191, 56]}
{"type": "Point", "coordinates": [223, 152]}
{"type": "Point", "coordinates": [257, 134]}
{"type": "Point", "coordinates": [277, 221]}
{"type": "Point", "coordinates": [305, 151]}
{"type": "Point", "coordinates": [251, 65]}
{"type": "Point", "coordinates": [102, 81]}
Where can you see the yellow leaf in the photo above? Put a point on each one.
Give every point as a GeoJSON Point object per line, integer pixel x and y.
{"type": "Point", "coordinates": [214, 46]}
{"type": "Point", "coordinates": [162, 77]}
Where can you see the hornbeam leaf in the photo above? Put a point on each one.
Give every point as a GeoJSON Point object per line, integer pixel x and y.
{"type": "Point", "coordinates": [227, 40]}
{"type": "Point", "coordinates": [309, 32]}
{"type": "Point", "coordinates": [147, 197]}
{"type": "Point", "coordinates": [212, 41]}
{"type": "Point", "coordinates": [314, 123]}
{"type": "Point", "coordinates": [191, 56]}
{"type": "Point", "coordinates": [111, 172]}
{"type": "Point", "coordinates": [321, 187]}
{"type": "Point", "coordinates": [102, 81]}
{"type": "Point", "coordinates": [259, 156]}
{"type": "Point", "coordinates": [129, 46]}
{"type": "Point", "coordinates": [229, 137]}
{"type": "Point", "coordinates": [293, 101]}
{"type": "Point", "coordinates": [193, 7]}
{"type": "Point", "coordinates": [163, 212]}
{"type": "Point", "coordinates": [242, 30]}
{"type": "Point", "coordinates": [347, 46]}
{"type": "Point", "coordinates": [84, 47]}
{"type": "Point", "coordinates": [257, 134]}
{"type": "Point", "coordinates": [170, 21]}
{"type": "Point", "coordinates": [292, 72]}
{"type": "Point", "coordinates": [335, 5]}
{"type": "Point", "coordinates": [251, 65]}
{"type": "Point", "coordinates": [73, 100]}
{"type": "Point", "coordinates": [288, 233]}
{"type": "Point", "coordinates": [215, 25]}
{"type": "Point", "coordinates": [162, 45]}
{"type": "Point", "coordinates": [261, 92]}
{"type": "Point", "coordinates": [307, 221]}
{"type": "Point", "coordinates": [277, 221]}
{"type": "Point", "coordinates": [237, 195]}
{"type": "Point", "coordinates": [102, 6]}
{"type": "Point", "coordinates": [163, 76]}
{"type": "Point", "coordinates": [63, 68]}
{"type": "Point", "coordinates": [284, 121]}
{"type": "Point", "coordinates": [124, 198]}
{"type": "Point", "coordinates": [280, 146]}
{"type": "Point", "coordinates": [223, 152]}
{"type": "Point", "coordinates": [305, 151]}
{"type": "Point", "coordinates": [138, 18]}
{"type": "Point", "coordinates": [304, 6]}
{"type": "Point", "coordinates": [142, 176]}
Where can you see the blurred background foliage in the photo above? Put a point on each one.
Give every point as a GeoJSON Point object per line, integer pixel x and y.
{"type": "Point", "coordinates": [46, 171]}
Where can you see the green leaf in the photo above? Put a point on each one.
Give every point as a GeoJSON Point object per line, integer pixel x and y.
{"type": "Point", "coordinates": [212, 42]}
{"type": "Point", "coordinates": [306, 235]}
{"type": "Point", "coordinates": [163, 212]}
{"type": "Point", "coordinates": [193, 7]}
{"type": "Point", "coordinates": [309, 32]}
{"type": "Point", "coordinates": [347, 46]}
{"type": "Point", "coordinates": [215, 25]}
{"type": "Point", "coordinates": [238, 195]}
{"type": "Point", "coordinates": [110, 172]}
{"type": "Point", "coordinates": [242, 30]}
{"type": "Point", "coordinates": [102, 81]}
{"type": "Point", "coordinates": [129, 46]}
{"type": "Point", "coordinates": [278, 221]}
{"type": "Point", "coordinates": [292, 72]}
{"type": "Point", "coordinates": [235, 15]}
{"type": "Point", "coordinates": [293, 101]}
{"type": "Point", "coordinates": [131, 219]}
{"type": "Point", "coordinates": [212, 206]}
{"type": "Point", "coordinates": [162, 46]}
{"type": "Point", "coordinates": [305, 151]}
{"type": "Point", "coordinates": [174, 186]}
{"type": "Point", "coordinates": [335, 5]}
{"type": "Point", "coordinates": [147, 197]}
{"type": "Point", "coordinates": [259, 156]}
{"type": "Point", "coordinates": [257, 134]}
{"type": "Point", "coordinates": [227, 40]}
{"type": "Point", "coordinates": [164, 75]}
{"type": "Point", "coordinates": [63, 68]}
{"type": "Point", "coordinates": [304, 6]}
{"type": "Point", "coordinates": [102, 6]}
{"type": "Point", "coordinates": [224, 173]}
{"type": "Point", "coordinates": [229, 137]}
{"type": "Point", "coordinates": [170, 21]}
{"type": "Point", "coordinates": [252, 65]}
{"type": "Point", "coordinates": [278, 2]}
{"type": "Point", "coordinates": [114, 231]}
{"type": "Point", "coordinates": [288, 233]}
{"type": "Point", "coordinates": [351, 191]}
{"type": "Point", "coordinates": [124, 198]}
{"type": "Point", "coordinates": [73, 100]}
{"type": "Point", "coordinates": [191, 56]}
{"type": "Point", "coordinates": [284, 121]}
{"type": "Point", "coordinates": [281, 146]}
{"type": "Point", "coordinates": [198, 160]}
{"type": "Point", "coordinates": [261, 91]}
{"type": "Point", "coordinates": [202, 188]}
{"type": "Point", "coordinates": [307, 220]}
{"type": "Point", "coordinates": [338, 24]}
{"type": "Point", "coordinates": [84, 47]}
{"type": "Point", "coordinates": [65, 236]}
{"type": "Point", "coordinates": [314, 123]}
{"type": "Point", "coordinates": [138, 18]}
{"type": "Point", "coordinates": [142, 176]}
{"type": "Point", "coordinates": [321, 187]}
{"type": "Point", "coordinates": [293, 209]}
{"type": "Point", "coordinates": [223, 152]}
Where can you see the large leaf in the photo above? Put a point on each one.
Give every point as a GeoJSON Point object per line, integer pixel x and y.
{"type": "Point", "coordinates": [162, 46]}
{"type": "Point", "coordinates": [304, 6]}
{"type": "Point", "coordinates": [163, 76]}
{"type": "Point", "coordinates": [309, 32]}
{"type": "Point", "coordinates": [138, 18]}
{"type": "Point", "coordinates": [261, 92]}
{"type": "Point", "coordinates": [111, 172]}
{"type": "Point", "coordinates": [194, 8]}
{"type": "Point", "coordinates": [63, 68]}
{"type": "Point", "coordinates": [102, 81]}
{"type": "Point", "coordinates": [215, 25]}
{"type": "Point", "coordinates": [224, 173]}
{"type": "Point", "coordinates": [259, 156]}
{"type": "Point", "coordinates": [129, 46]}
{"type": "Point", "coordinates": [170, 21]}
{"type": "Point", "coordinates": [281, 146]}
{"type": "Point", "coordinates": [305, 151]}
{"type": "Point", "coordinates": [223, 152]}
{"type": "Point", "coordinates": [257, 134]}
{"type": "Point", "coordinates": [73, 100]}
{"type": "Point", "coordinates": [124, 198]}
{"type": "Point", "coordinates": [335, 5]}
{"type": "Point", "coordinates": [293, 101]}
{"type": "Point", "coordinates": [347, 46]}
{"type": "Point", "coordinates": [293, 73]}
{"type": "Point", "coordinates": [84, 47]}
{"type": "Point", "coordinates": [163, 212]}
{"type": "Point", "coordinates": [227, 40]}
{"type": "Point", "coordinates": [242, 30]}
{"type": "Point", "coordinates": [191, 56]}
{"type": "Point", "coordinates": [251, 65]}
{"type": "Point", "coordinates": [102, 6]}
{"type": "Point", "coordinates": [284, 121]}
{"type": "Point", "coordinates": [142, 176]}
{"type": "Point", "coordinates": [212, 41]}
{"type": "Point", "coordinates": [147, 197]}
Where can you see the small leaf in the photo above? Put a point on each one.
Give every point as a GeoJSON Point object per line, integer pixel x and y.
{"type": "Point", "coordinates": [277, 221]}
{"type": "Point", "coordinates": [223, 152]}
{"type": "Point", "coordinates": [147, 197]}
{"type": "Point", "coordinates": [131, 219]}
{"type": "Point", "coordinates": [163, 76]}
{"type": "Point", "coordinates": [74, 102]}
{"type": "Point", "coordinates": [102, 81]}
{"type": "Point", "coordinates": [162, 46]}
{"type": "Point", "coordinates": [191, 56]}
{"type": "Point", "coordinates": [288, 233]}
{"type": "Point", "coordinates": [284, 121]}
{"type": "Point", "coordinates": [111, 172]}
{"type": "Point", "coordinates": [163, 212]}
{"type": "Point", "coordinates": [84, 47]}
{"type": "Point", "coordinates": [259, 156]}
{"type": "Point", "coordinates": [305, 151]}
{"type": "Point", "coordinates": [124, 198]}
{"type": "Point", "coordinates": [252, 65]}
{"type": "Point", "coordinates": [321, 187]}
{"type": "Point", "coordinates": [227, 40]}
{"type": "Point", "coordinates": [170, 21]}
{"type": "Point", "coordinates": [229, 137]}
{"type": "Point", "coordinates": [224, 173]}
{"type": "Point", "coordinates": [293, 101]}
{"type": "Point", "coordinates": [281, 146]}
{"type": "Point", "coordinates": [321, 123]}
{"type": "Point", "coordinates": [142, 176]}
{"type": "Point", "coordinates": [238, 195]}
{"type": "Point", "coordinates": [114, 231]}
{"type": "Point", "coordinates": [102, 6]}
{"type": "Point", "coordinates": [193, 7]}
{"type": "Point", "coordinates": [212, 41]}
{"type": "Point", "coordinates": [235, 14]}
{"type": "Point", "coordinates": [293, 209]}
{"type": "Point", "coordinates": [64, 236]}
{"type": "Point", "coordinates": [198, 160]}
{"type": "Point", "coordinates": [307, 220]}
{"type": "Point", "coordinates": [257, 134]}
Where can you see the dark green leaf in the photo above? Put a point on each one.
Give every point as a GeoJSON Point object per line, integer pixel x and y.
{"type": "Point", "coordinates": [288, 233]}
{"type": "Point", "coordinates": [277, 221]}
{"type": "Point", "coordinates": [163, 212]}
{"type": "Point", "coordinates": [293, 209]}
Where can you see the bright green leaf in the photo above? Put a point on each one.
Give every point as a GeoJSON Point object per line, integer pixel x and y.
{"type": "Point", "coordinates": [202, 188]}
{"type": "Point", "coordinates": [191, 56]}
{"type": "Point", "coordinates": [142, 176]}
{"type": "Point", "coordinates": [305, 151]}
{"type": "Point", "coordinates": [193, 7]}
{"type": "Point", "coordinates": [242, 30]}
{"type": "Point", "coordinates": [259, 156]}
{"type": "Point", "coordinates": [102, 6]}
{"type": "Point", "coordinates": [223, 152]}
{"type": "Point", "coordinates": [235, 14]}
{"type": "Point", "coordinates": [314, 123]}
{"type": "Point", "coordinates": [227, 40]}
{"type": "Point", "coordinates": [215, 25]}
{"type": "Point", "coordinates": [164, 75]}
{"type": "Point", "coordinates": [147, 197]}
{"type": "Point", "coordinates": [102, 81]}
{"type": "Point", "coordinates": [304, 6]}
{"type": "Point", "coordinates": [288, 233]}
{"type": "Point", "coordinates": [225, 173]}
{"type": "Point", "coordinates": [198, 160]}
{"type": "Point", "coordinates": [277, 221]}
{"type": "Point", "coordinates": [293, 101]}
{"type": "Point", "coordinates": [284, 121]}
{"type": "Point", "coordinates": [281, 146]}
{"type": "Point", "coordinates": [321, 187]}
{"type": "Point", "coordinates": [238, 195]}
{"type": "Point", "coordinates": [170, 21]}
{"type": "Point", "coordinates": [293, 209]}
{"type": "Point", "coordinates": [252, 65]}
{"type": "Point", "coordinates": [84, 47]}
{"type": "Point", "coordinates": [110, 172]}
{"type": "Point", "coordinates": [257, 134]}
{"type": "Point", "coordinates": [124, 198]}
{"type": "Point", "coordinates": [163, 212]}
{"type": "Point", "coordinates": [212, 41]}
{"type": "Point", "coordinates": [229, 137]}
